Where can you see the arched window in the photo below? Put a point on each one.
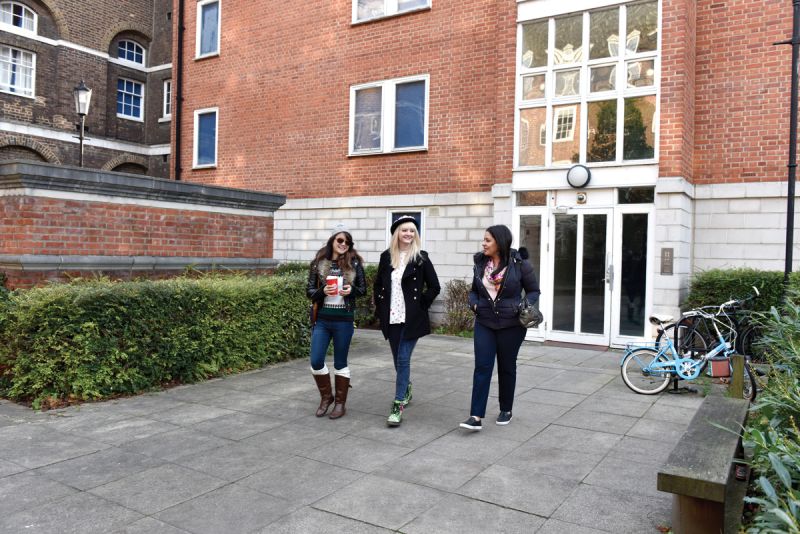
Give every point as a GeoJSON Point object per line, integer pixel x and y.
{"type": "Point", "coordinates": [18, 15]}
{"type": "Point", "coordinates": [130, 51]}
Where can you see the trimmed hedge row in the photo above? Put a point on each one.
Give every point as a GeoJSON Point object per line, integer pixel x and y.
{"type": "Point", "coordinates": [88, 340]}
{"type": "Point", "coordinates": [715, 286]}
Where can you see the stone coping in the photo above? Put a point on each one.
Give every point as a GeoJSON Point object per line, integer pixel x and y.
{"type": "Point", "coordinates": [52, 262]}
{"type": "Point", "coordinates": [44, 176]}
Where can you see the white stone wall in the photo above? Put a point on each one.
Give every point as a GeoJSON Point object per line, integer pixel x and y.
{"type": "Point", "coordinates": [673, 229]}
{"type": "Point", "coordinates": [453, 226]}
{"type": "Point", "coordinates": [742, 225]}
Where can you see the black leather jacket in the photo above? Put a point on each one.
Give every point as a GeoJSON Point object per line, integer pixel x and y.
{"type": "Point", "coordinates": [318, 272]}
{"type": "Point", "coordinates": [503, 311]}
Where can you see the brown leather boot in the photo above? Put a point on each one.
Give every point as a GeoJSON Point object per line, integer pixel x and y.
{"type": "Point", "coordinates": [326, 396]}
{"type": "Point", "coordinates": [342, 384]}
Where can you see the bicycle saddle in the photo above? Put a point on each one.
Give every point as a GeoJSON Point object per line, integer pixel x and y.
{"type": "Point", "coordinates": [658, 319]}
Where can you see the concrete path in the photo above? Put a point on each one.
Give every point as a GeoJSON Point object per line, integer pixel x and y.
{"type": "Point", "coordinates": [246, 454]}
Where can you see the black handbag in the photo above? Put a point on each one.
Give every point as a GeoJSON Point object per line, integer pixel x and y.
{"type": "Point", "coordinates": [529, 314]}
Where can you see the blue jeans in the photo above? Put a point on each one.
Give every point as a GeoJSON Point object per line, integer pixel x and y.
{"type": "Point", "coordinates": [401, 354]}
{"type": "Point", "coordinates": [341, 332]}
{"type": "Point", "coordinates": [504, 344]}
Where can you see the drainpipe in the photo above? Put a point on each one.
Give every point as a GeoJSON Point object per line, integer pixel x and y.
{"type": "Point", "coordinates": [176, 157]}
{"type": "Point", "coordinates": [795, 42]}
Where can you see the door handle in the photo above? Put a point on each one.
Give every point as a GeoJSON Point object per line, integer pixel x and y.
{"type": "Point", "coordinates": [609, 279]}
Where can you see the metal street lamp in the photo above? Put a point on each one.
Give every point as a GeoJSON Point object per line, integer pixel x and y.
{"type": "Point", "coordinates": [83, 96]}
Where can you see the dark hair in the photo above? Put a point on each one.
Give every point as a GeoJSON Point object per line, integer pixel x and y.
{"type": "Point", "coordinates": [502, 236]}
{"type": "Point", "coordinates": [346, 259]}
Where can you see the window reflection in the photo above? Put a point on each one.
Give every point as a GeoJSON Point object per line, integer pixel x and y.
{"type": "Point", "coordinates": [643, 24]}
{"type": "Point", "coordinates": [639, 137]}
{"type": "Point", "coordinates": [602, 132]}
{"type": "Point", "coordinates": [532, 136]}
{"type": "Point", "coordinates": [603, 25]}
{"type": "Point", "coordinates": [534, 45]}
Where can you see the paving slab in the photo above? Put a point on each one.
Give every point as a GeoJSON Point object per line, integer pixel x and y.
{"type": "Point", "coordinates": [233, 508]}
{"type": "Point", "coordinates": [381, 501]}
{"type": "Point", "coordinates": [245, 453]}
{"type": "Point", "coordinates": [458, 514]}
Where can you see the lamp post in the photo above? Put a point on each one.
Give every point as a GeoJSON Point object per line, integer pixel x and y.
{"type": "Point", "coordinates": [83, 96]}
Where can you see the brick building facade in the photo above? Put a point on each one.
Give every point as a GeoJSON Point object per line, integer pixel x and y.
{"type": "Point", "coordinates": [123, 51]}
{"type": "Point", "coordinates": [472, 113]}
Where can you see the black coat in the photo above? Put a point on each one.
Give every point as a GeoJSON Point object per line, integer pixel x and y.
{"type": "Point", "coordinates": [503, 311]}
{"type": "Point", "coordinates": [354, 276]}
{"type": "Point", "coordinates": [420, 287]}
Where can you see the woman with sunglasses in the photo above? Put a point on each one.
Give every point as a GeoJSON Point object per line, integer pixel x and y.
{"type": "Point", "coordinates": [335, 279]}
{"type": "Point", "coordinates": [405, 286]}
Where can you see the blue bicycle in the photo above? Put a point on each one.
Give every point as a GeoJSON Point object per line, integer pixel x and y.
{"type": "Point", "coordinates": [648, 368]}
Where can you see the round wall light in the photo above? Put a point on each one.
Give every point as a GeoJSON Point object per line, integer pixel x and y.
{"type": "Point", "coordinates": [579, 176]}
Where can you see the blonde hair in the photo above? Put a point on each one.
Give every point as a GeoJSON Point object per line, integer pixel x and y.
{"type": "Point", "coordinates": [394, 246]}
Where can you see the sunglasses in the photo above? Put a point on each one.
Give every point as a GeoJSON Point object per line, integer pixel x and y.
{"type": "Point", "coordinates": [342, 241]}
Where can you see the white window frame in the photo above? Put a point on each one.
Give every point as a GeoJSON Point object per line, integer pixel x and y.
{"type": "Point", "coordinates": [140, 118]}
{"type": "Point", "coordinates": [388, 101]}
{"type": "Point", "coordinates": [25, 9]}
{"type": "Point", "coordinates": [199, 28]}
{"type": "Point", "coordinates": [124, 60]}
{"type": "Point", "coordinates": [557, 114]}
{"type": "Point", "coordinates": [166, 104]}
{"type": "Point", "coordinates": [390, 9]}
{"type": "Point", "coordinates": [195, 135]}
{"type": "Point", "coordinates": [621, 92]}
{"type": "Point", "coordinates": [33, 74]}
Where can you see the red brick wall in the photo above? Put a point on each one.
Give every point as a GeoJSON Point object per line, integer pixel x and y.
{"type": "Point", "coordinates": [677, 115]}
{"type": "Point", "coordinates": [36, 225]}
{"type": "Point", "coordinates": [743, 85]}
{"type": "Point", "coordinates": [284, 93]}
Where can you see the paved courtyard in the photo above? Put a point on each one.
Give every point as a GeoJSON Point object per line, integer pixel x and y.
{"type": "Point", "coordinates": [246, 454]}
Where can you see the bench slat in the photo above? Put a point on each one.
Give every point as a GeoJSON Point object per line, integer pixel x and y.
{"type": "Point", "coordinates": [700, 464]}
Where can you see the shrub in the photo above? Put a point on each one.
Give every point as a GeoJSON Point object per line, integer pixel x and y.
{"type": "Point", "coordinates": [773, 431]}
{"type": "Point", "coordinates": [292, 267]}
{"type": "Point", "coordinates": [718, 285]}
{"type": "Point", "coordinates": [365, 306]}
{"type": "Point", "coordinates": [458, 317]}
{"type": "Point", "coordinates": [89, 340]}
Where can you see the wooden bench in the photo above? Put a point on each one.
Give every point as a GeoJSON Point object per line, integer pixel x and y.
{"type": "Point", "coordinates": [707, 497]}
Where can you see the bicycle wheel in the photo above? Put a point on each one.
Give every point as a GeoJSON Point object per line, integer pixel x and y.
{"type": "Point", "coordinates": [639, 378]}
{"type": "Point", "coordinates": [749, 388]}
{"type": "Point", "coordinates": [690, 338]}
{"type": "Point", "coordinates": [747, 344]}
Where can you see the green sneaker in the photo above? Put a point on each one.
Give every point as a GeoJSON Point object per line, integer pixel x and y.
{"type": "Point", "coordinates": [408, 397]}
{"type": "Point", "coordinates": [397, 414]}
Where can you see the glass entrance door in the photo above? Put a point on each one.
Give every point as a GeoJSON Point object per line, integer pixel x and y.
{"type": "Point", "coordinates": [582, 276]}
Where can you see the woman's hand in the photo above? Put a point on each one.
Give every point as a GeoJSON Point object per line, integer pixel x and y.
{"type": "Point", "coordinates": [331, 291]}
{"type": "Point", "coordinates": [346, 290]}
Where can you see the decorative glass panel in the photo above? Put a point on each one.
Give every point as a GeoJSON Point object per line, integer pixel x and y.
{"type": "Point", "coordinates": [633, 274]}
{"type": "Point", "coordinates": [639, 138]}
{"type": "Point", "coordinates": [533, 87]}
{"type": "Point", "coordinates": [534, 45]}
{"type": "Point", "coordinates": [602, 78]}
{"type": "Point", "coordinates": [532, 198]}
{"type": "Point", "coordinates": [641, 73]}
{"type": "Point", "coordinates": [604, 28]}
{"type": "Point", "coordinates": [566, 144]}
{"type": "Point", "coordinates": [568, 82]}
{"type": "Point", "coordinates": [409, 125]}
{"type": "Point", "coordinates": [602, 132]}
{"type": "Point", "coordinates": [636, 195]}
{"type": "Point", "coordinates": [368, 9]}
{"type": "Point", "coordinates": [207, 139]}
{"type": "Point", "coordinates": [367, 127]}
{"type": "Point", "coordinates": [531, 126]}
{"type": "Point", "coordinates": [569, 39]}
{"type": "Point", "coordinates": [642, 28]}
{"type": "Point", "coordinates": [209, 28]}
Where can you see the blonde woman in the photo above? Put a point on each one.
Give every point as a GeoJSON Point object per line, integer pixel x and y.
{"type": "Point", "coordinates": [405, 286]}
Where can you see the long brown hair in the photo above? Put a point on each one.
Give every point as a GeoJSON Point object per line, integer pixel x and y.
{"type": "Point", "coordinates": [345, 261]}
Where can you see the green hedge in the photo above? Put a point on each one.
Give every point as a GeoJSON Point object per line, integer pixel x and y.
{"type": "Point", "coordinates": [718, 285]}
{"type": "Point", "coordinates": [89, 340]}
